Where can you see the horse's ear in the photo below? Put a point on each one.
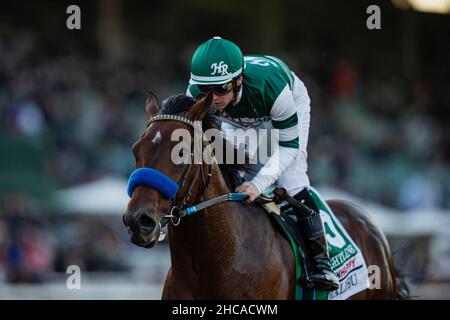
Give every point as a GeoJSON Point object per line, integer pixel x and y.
{"type": "Point", "coordinates": [151, 105]}
{"type": "Point", "coordinates": [201, 108]}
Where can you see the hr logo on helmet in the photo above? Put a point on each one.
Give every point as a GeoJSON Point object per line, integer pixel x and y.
{"type": "Point", "coordinates": [220, 68]}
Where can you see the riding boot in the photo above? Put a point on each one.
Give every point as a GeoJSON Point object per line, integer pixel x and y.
{"type": "Point", "coordinates": [311, 227]}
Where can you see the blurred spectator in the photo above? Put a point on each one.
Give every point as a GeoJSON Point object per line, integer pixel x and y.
{"type": "Point", "coordinates": [344, 79]}
{"type": "Point", "coordinates": [28, 256]}
{"type": "Point", "coordinates": [418, 192]}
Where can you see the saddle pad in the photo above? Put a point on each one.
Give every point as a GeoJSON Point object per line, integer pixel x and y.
{"type": "Point", "coordinates": [346, 258]}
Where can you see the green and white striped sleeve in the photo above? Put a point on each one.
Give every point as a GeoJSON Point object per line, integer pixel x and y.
{"type": "Point", "coordinates": [284, 117]}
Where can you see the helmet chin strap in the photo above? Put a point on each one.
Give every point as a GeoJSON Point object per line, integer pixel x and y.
{"type": "Point", "coordinates": [237, 88]}
{"type": "Point", "coordinates": [236, 91]}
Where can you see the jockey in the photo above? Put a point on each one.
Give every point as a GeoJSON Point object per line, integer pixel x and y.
{"type": "Point", "coordinates": [261, 92]}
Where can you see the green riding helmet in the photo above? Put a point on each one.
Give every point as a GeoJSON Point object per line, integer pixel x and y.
{"type": "Point", "coordinates": [216, 61]}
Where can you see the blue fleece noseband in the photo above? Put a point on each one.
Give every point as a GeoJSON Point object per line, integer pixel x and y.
{"type": "Point", "coordinates": [152, 178]}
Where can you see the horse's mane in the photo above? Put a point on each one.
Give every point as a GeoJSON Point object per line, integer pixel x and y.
{"type": "Point", "coordinates": [232, 173]}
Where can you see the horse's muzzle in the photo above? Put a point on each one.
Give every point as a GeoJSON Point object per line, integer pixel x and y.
{"type": "Point", "coordinates": [143, 230]}
{"type": "Point", "coordinates": [143, 241]}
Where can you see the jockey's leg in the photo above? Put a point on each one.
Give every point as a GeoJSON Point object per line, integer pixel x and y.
{"type": "Point", "coordinates": [295, 180]}
{"type": "Point", "coordinates": [312, 230]}
{"type": "Point", "coordinates": [311, 227]}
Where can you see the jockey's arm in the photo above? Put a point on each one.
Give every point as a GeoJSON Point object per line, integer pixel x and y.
{"type": "Point", "coordinates": [285, 119]}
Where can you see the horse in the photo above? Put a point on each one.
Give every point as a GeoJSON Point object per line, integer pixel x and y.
{"type": "Point", "coordinates": [231, 250]}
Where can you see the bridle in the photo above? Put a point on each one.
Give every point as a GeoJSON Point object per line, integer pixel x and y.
{"type": "Point", "coordinates": [176, 209]}
{"type": "Point", "coordinates": [156, 179]}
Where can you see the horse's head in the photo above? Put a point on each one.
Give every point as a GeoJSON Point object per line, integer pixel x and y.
{"type": "Point", "coordinates": [159, 185]}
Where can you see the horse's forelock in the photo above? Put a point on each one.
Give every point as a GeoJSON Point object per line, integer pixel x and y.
{"type": "Point", "coordinates": [177, 104]}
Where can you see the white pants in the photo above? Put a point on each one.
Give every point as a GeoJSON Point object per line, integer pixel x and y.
{"type": "Point", "coordinates": [294, 178]}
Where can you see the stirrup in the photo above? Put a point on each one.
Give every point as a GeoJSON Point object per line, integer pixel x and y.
{"type": "Point", "coordinates": [324, 281]}
{"type": "Point", "coordinates": [323, 276]}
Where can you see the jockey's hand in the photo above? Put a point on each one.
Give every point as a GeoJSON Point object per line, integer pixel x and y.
{"type": "Point", "coordinates": [250, 189]}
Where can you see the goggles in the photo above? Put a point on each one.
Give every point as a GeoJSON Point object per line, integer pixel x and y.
{"type": "Point", "coordinates": [218, 89]}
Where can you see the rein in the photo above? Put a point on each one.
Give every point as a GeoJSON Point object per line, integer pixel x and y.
{"type": "Point", "coordinates": [169, 189]}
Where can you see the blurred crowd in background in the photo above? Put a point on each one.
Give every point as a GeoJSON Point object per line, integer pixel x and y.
{"type": "Point", "coordinates": [84, 115]}
{"type": "Point", "coordinates": [35, 245]}
{"type": "Point", "coordinates": [68, 116]}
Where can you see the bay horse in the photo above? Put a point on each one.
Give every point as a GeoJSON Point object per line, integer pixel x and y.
{"type": "Point", "coordinates": [232, 250]}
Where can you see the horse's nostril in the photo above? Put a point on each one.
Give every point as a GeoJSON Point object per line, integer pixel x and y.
{"type": "Point", "coordinates": [146, 222]}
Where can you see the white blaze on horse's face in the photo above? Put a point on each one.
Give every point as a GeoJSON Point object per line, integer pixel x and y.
{"type": "Point", "coordinates": [156, 138]}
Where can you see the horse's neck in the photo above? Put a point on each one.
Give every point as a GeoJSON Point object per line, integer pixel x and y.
{"type": "Point", "coordinates": [209, 236]}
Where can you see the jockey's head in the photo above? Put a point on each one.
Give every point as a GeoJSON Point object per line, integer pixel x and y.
{"type": "Point", "coordinates": [217, 67]}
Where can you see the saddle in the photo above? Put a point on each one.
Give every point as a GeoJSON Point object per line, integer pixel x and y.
{"type": "Point", "coordinates": [281, 208]}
